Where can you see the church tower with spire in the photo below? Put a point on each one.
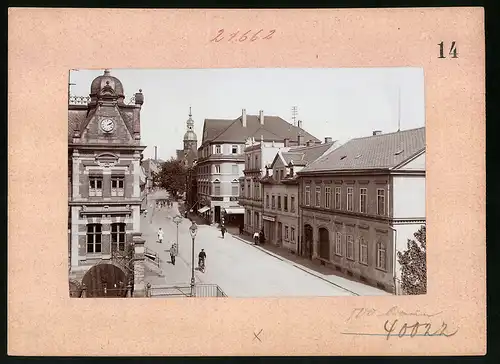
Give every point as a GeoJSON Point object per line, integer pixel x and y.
{"type": "Point", "coordinates": [190, 139]}
{"type": "Point", "coordinates": [190, 142]}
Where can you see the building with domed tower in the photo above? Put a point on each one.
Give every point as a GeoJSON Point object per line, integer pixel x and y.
{"type": "Point", "coordinates": [104, 190]}
{"type": "Point", "coordinates": [190, 151]}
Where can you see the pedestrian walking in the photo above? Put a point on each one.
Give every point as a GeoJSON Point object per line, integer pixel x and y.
{"type": "Point", "coordinates": [223, 231]}
{"type": "Point", "coordinates": [173, 253]}
{"type": "Point", "coordinates": [241, 229]}
{"type": "Point", "coordinates": [262, 238]}
{"type": "Point", "coordinates": [256, 238]}
{"type": "Point", "coordinates": [160, 235]}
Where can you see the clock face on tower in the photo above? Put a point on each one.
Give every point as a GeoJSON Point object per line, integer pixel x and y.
{"type": "Point", "coordinates": [107, 125]}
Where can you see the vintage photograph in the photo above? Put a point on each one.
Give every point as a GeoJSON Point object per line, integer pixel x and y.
{"type": "Point", "coordinates": [246, 182]}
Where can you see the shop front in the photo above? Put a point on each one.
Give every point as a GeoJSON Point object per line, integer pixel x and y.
{"type": "Point", "coordinates": [269, 223]}
{"type": "Point", "coordinates": [204, 212]}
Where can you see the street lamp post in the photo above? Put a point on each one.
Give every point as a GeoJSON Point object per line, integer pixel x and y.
{"type": "Point", "coordinates": [193, 229]}
{"type": "Point", "coordinates": [177, 220]}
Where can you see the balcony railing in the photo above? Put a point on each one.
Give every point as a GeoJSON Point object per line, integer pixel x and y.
{"type": "Point", "coordinates": [79, 100]}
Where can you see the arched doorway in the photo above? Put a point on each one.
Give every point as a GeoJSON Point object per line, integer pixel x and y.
{"type": "Point", "coordinates": [105, 280]}
{"type": "Point", "coordinates": [324, 244]}
{"type": "Point", "coordinates": [308, 241]}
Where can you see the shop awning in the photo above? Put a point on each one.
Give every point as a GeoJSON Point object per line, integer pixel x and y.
{"type": "Point", "coordinates": [235, 210]}
{"type": "Point", "coordinates": [203, 209]}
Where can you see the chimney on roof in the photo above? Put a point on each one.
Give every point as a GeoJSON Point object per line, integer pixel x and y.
{"type": "Point", "coordinates": [309, 143]}
{"type": "Point", "coordinates": [287, 142]}
{"type": "Point", "coordinates": [328, 140]}
{"type": "Point", "coordinates": [244, 117]}
{"type": "Point", "coordinates": [300, 139]}
{"type": "Point", "coordinates": [299, 124]}
{"type": "Point", "coordinates": [261, 117]}
{"type": "Point", "coordinates": [139, 98]}
{"type": "Point", "coordinates": [377, 132]}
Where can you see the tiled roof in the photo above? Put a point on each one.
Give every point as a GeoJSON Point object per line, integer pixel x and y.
{"type": "Point", "coordinates": [288, 157]}
{"type": "Point", "coordinates": [302, 155]}
{"type": "Point", "coordinates": [213, 127]}
{"type": "Point", "coordinates": [274, 128]}
{"type": "Point", "coordinates": [75, 119]}
{"type": "Point", "coordinates": [268, 180]}
{"type": "Point", "coordinates": [128, 119]}
{"type": "Point", "coordinates": [374, 152]}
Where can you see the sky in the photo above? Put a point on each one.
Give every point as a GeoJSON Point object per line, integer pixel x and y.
{"type": "Point", "coordinates": [342, 103]}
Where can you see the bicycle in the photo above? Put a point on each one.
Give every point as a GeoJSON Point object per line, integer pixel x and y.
{"type": "Point", "coordinates": [201, 265]}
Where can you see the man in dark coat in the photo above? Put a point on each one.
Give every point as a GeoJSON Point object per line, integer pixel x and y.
{"type": "Point", "coordinates": [262, 238]}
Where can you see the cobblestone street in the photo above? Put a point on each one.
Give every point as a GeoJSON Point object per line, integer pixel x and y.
{"type": "Point", "coordinates": [239, 268]}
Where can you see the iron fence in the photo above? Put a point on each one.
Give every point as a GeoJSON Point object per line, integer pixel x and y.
{"type": "Point", "coordinates": [199, 290]}
{"type": "Point", "coordinates": [152, 256]}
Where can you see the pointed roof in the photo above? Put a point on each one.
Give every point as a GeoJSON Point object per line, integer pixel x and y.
{"type": "Point", "coordinates": [303, 155]}
{"type": "Point", "coordinates": [274, 128]}
{"type": "Point", "coordinates": [384, 151]}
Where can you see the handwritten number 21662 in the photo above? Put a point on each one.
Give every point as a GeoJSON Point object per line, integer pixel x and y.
{"type": "Point", "coordinates": [242, 37]}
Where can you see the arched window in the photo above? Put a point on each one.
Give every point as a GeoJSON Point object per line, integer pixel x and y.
{"type": "Point", "coordinates": [235, 188]}
{"type": "Point", "coordinates": [216, 187]}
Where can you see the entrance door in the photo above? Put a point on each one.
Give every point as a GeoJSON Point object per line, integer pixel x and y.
{"type": "Point", "coordinates": [217, 214]}
{"type": "Point", "coordinates": [324, 244]}
{"type": "Point", "coordinates": [308, 239]}
{"type": "Point", "coordinates": [280, 232]}
{"type": "Point", "coordinates": [268, 231]}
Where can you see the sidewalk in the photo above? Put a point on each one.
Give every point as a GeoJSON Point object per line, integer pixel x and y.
{"type": "Point", "coordinates": [355, 287]}
{"type": "Point", "coordinates": [167, 273]}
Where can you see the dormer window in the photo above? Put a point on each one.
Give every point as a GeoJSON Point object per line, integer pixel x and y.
{"type": "Point", "coordinates": [218, 149]}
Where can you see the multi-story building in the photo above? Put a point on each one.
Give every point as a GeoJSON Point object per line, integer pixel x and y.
{"type": "Point", "coordinates": [104, 155]}
{"type": "Point", "coordinates": [257, 156]}
{"type": "Point", "coordinates": [280, 190]}
{"type": "Point", "coordinates": [361, 202]}
{"type": "Point", "coordinates": [151, 167]}
{"type": "Point", "coordinates": [221, 159]}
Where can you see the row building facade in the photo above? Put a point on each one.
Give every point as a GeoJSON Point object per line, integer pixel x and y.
{"type": "Point", "coordinates": [280, 218]}
{"type": "Point", "coordinates": [360, 203]}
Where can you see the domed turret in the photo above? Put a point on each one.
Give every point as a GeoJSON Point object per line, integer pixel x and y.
{"type": "Point", "coordinates": [190, 135]}
{"type": "Point", "coordinates": [107, 85]}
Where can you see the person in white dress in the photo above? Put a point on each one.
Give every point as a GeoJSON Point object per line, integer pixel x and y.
{"type": "Point", "coordinates": [160, 235]}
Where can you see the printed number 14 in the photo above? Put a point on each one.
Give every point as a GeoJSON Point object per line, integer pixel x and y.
{"type": "Point", "coordinates": [453, 50]}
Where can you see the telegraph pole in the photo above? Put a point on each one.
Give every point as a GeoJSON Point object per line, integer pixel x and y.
{"type": "Point", "coordinates": [294, 115]}
{"type": "Point", "coordinates": [70, 83]}
{"type": "Point", "coordinates": [399, 108]}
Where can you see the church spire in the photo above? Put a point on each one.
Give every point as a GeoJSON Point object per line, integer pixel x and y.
{"type": "Point", "coordinates": [190, 112]}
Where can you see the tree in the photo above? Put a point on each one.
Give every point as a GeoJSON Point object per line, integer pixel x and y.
{"type": "Point", "coordinates": [155, 178]}
{"type": "Point", "coordinates": [172, 177]}
{"type": "Point", "coordinates": [413, 265]}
